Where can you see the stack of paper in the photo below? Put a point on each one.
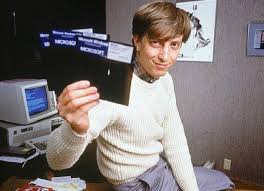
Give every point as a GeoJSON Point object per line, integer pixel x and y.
{"type": "Point", "coordinates": [65, 183]}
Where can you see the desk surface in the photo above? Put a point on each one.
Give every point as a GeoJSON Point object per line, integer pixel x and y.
{"type": "Point", "coordinates": [13, 183]}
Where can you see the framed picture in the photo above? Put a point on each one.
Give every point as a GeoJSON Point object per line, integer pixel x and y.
{"type": "Point", "coordinates": [255, 41]}
{"type": "Point", "coordinates": [200, 45]}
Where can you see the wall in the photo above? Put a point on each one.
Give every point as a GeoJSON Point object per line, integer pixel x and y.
{"type": "Point", "coordinates": [221, 103]}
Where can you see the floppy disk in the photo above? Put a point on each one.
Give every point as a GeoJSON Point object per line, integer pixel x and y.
{"type": "Point", "coordinates": [107, 65]}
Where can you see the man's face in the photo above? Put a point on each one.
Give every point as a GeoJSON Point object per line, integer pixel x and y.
{"type": "Point", "coordinates": [157, 56]}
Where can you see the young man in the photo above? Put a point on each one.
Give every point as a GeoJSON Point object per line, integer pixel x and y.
{"type": "Point", "coordinates": [132, 138]}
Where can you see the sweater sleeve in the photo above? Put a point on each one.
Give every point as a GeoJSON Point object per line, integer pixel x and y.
{"type": "Point", "coordinates": [65, 147]}
{"type": "Point", "coordinates": [175, 146]}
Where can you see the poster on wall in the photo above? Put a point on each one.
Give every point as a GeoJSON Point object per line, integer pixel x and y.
{"type": "Point", "coordinates": [255, 41]}
{"type": "Point", "coordinates": [200, 45]}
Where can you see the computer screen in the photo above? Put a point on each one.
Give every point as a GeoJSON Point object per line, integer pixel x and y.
{"type": "Point", "coordinates": [25, 101]}
{"type": "Point", "coordinates": [37, 101]}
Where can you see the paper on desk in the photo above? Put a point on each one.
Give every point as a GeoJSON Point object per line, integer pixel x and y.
{"type": "Point", "coordinates": [68, 179]}
{"type": "Point", "coordinates": [57, 185]}
{"type": "Point", "coordinates": [81, 183]}
{"type": "Point", "coordinates": [61, 179]}
{"type": "Point", "coordinates": [18, 159]}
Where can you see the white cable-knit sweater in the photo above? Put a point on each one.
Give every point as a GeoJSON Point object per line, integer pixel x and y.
{"type": "Point", "coordinates": [130, 138]}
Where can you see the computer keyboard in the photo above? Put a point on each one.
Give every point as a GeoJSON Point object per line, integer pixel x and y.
{"type": "Point", "coordinates": [41, 146]}
{"type": "Point", "coordinates": [39, 143]}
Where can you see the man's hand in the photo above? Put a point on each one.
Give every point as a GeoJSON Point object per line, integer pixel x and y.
{"type": "Point", "coordinates": [74, 103]}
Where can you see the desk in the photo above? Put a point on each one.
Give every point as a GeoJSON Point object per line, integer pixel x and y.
{"type": "Point", "coordinates": [86, 168]}
{"type": "Point", "coordinates": [13, 183]}
{"type": "Point", "coordinates": [34, 168]}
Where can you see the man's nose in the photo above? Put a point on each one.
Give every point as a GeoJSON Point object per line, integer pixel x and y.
{"type": "Point", "coordinates": [164, 53]}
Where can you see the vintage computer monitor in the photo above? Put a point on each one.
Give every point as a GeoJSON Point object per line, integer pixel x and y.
{"type": "Point", "coordinates": [24, 101]}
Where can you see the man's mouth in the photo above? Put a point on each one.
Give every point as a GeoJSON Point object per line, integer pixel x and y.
{"type": "Point", "coordinates": [161, 65]}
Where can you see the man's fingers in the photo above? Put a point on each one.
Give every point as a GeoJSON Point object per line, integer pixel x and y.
{"type": "Point", "coordinates": [74, 86]}
{"type": "Point", "coordinates": [74, 117]}
{"type": "Point", "coordinates": [85, 108]}
{"type": "Point", "coordinates": [72, 95]}
{"type": "Point", "coordinates": [74, 104]}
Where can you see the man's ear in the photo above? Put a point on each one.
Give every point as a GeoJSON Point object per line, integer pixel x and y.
{"type": "Point", "coordinates": [136, 41]}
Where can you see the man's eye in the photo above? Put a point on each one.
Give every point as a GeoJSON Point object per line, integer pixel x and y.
{"type": "Point", "coordinates": [175, 45]}
{"type": "Point", "coordinates": [155, 43]}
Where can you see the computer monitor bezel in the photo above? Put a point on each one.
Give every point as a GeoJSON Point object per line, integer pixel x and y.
{"type": "Point", "coordinates": [38, 116]}
{"type": "Point", "coordinates": [15, 102]}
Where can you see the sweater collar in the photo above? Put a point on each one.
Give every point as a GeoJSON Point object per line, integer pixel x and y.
{"type": "Point", "coordinates": [141, 73]}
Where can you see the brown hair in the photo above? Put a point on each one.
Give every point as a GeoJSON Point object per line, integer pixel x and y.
{"type": "Point", "coordinates": [161, 20]}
